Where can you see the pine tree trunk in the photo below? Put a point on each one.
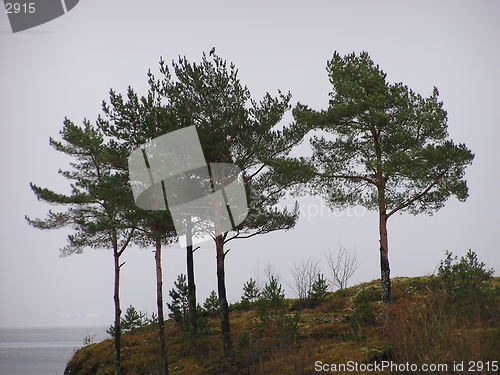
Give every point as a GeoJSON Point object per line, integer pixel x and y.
{"type": "Point", "coordinates": [159, 304]}
{"type": "Point", "coordinates": [224, 308]}
{"type": "Point", "coordinates": [385, 271]}
{"type": "Point", "coordinates": [116, 297]}
{"type": "Point", "coordinates": [193, 326]}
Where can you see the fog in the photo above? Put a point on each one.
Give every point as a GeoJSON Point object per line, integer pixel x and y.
{"type": "Point", "coordinates": [67, 66]}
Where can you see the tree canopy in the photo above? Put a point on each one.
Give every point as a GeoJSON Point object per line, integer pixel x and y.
{"type": "Point", "coordinates": [380, 145]}
{"type": "Point", "coordinates": [99, 207]}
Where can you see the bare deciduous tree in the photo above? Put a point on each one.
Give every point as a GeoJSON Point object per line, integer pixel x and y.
{"type": "Point", "coordinates": [342, 266]}
{"type": "Point", "coordinates": [269, 273]}
{"type": "Point", "coordinates": [304, 274]}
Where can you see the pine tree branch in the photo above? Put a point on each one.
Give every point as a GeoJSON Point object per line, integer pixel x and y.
{"type": "Point", "coordinates": [417, 196]}
{"type": "Point", "coordinates": [348, 177]}
{"type": "Point", "coordinates": [124, 246]}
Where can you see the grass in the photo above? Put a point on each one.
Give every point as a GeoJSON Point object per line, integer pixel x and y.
{"type": "Point", "coordinates": [349, 325]}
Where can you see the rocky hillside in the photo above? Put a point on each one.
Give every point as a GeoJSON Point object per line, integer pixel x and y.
{"type": "Point", "coordinates": [422, 325]}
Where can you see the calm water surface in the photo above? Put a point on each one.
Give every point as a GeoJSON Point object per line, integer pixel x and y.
{"type": "Point", "coordinates": [41, 351]}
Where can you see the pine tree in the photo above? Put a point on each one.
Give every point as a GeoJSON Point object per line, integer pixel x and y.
{"type": "Point", "coordinates": [133, 319]}
{"type": "Point", "coordinates": [273, 291]}
{"type": "Point", "coordinates": [211, 304]}
{"type": "Point", "coordinates": [385, 148]}
{"type": "Point", "coordinates": [99, 207]}
{"type": "Point", "coordinates": [271, 306]}
{"type": "Point", "coordinates": [180, 303]}
{"type": "Point", "coordinates": [251, 292]}
{"type": "Point", "coordinates": [131, 122]}
{"type": "Point", "coordinates": [232, 129]}
{"type": "Point", "coordinates": [235, 129]}
{"type": "Point", "coordinates": [319, 289]}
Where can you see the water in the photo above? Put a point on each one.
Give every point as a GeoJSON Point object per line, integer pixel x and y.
{"type": "Point", "coordinates": [41, 351]}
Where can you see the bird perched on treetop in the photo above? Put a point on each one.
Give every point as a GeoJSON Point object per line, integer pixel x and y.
{"type": "Point", "coordinates": [212, 51]}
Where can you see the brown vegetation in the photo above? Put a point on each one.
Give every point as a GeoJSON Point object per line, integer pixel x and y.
{"type": "Point", "coordinates": [419, 326]}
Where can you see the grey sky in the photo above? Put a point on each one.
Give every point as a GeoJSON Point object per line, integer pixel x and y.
{"type": "Point", "coordinates": [67, 66]}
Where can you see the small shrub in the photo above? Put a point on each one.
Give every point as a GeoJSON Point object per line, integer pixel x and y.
{"type": "Point", "coordinates": [88, 340]}
{"type": "Point", "coordinates": [363, 312]}
{"type": "Point", "coordinates": [243, 344]}
{"type": "Point", "coordinates": [466, 282]}
{"type": "Point", "coordinates": [427, 333]}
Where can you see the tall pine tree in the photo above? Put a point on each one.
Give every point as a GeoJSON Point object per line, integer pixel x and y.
{"type": "Point", "coordinates": [99, 207]}
{"type": "Point", "coordinates": [233, 128]}
{"type": "Point", "coordinates": [383, 146]}
{"type": "Point", "coordinates": [130, 123]}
